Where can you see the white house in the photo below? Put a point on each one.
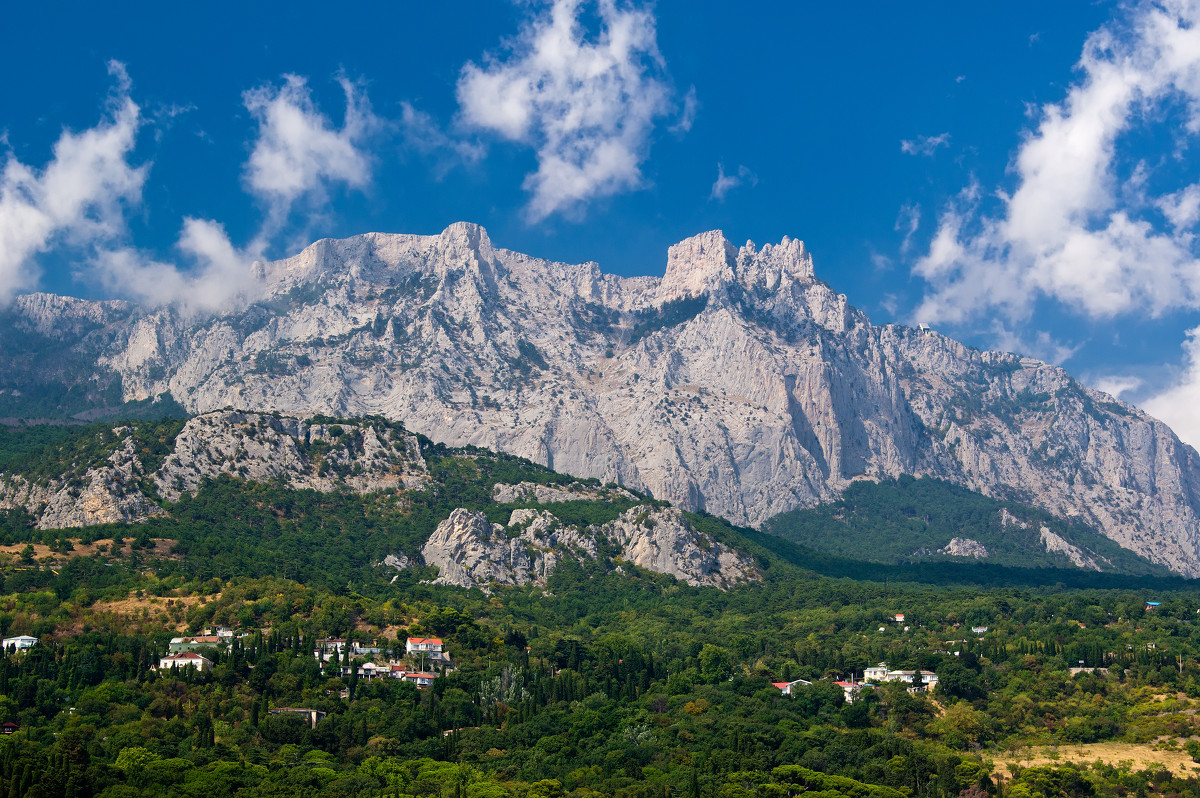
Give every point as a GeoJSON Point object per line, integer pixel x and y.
{"type": "Point", "coordinates": [174, 661]}
{"type": "Point", "coordinates": [419, 678]}
{"type": "Point", "coordinates": [369, 670]}
{"type": "Point", "coordinates": [902, 676]}
{"type": "Point", "coordinates": [423, 645]}
{"type": "Point", "coordinates": [876, 673]}
{"type": "Point", "coordinates": [928, 678]}
{"type": "Point", "coordinates": [427, 647]}
{"type": "Point", "coordinates": [19, 643]}
{"type": "Point", "coordinates": [329, 649]}
{"type": "Point", "coordinates": [786, 687]}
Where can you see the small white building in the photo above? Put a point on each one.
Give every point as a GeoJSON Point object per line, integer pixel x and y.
{"type": "Point", "coordinates": [852, 690]}
{"type": "Point", "coordinates": [419, 678]}
{"type": "Point", "coordinates": [928, 678]}
{"type": "Point", "coordinates": [786, 687]}
{"type": "Point", "coordinates": [369, 670]}
{"type": "Point", "coordinates": [19, 643]}
{"type": "Point", "coordinates": [176, 661]}
{"type": "Point", "coordinates": [876, 673]}
{"type": "Point", "coordinates": [431, 648]}
{"type": "Point", "coordinates": [423, 645]}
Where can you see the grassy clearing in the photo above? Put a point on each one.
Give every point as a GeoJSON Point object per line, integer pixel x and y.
{"type": "Point", "coordinates": [45, 555]}
{"type": "Point", "coordinates": [1133, 756]}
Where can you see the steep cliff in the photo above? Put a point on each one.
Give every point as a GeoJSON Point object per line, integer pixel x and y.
{"type": "Point", "coordinates": [738, 383]}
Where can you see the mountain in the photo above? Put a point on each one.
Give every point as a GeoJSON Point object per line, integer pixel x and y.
{"type": "Point", "coordinates": [737, 384]}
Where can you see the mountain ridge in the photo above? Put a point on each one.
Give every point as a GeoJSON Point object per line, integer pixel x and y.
{"type": "Point", "coordinates": [738, 383]}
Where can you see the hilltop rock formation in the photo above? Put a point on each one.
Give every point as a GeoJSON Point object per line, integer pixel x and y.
{"type": "Point", "coordinates": [295, 452]}
{"type": "Point", "coordinates": [738, 383]}
{"type": "Point", "coordinates": [964, 547]}
{"type": "Point", "coordinates": [470, 551]}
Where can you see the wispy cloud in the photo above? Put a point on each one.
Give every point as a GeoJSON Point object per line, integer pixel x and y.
{"type": "Point", "coordinates": [908, 222]}
{"type": "Point", "coordinates": [78, 199]}
{"type": "Point", "coordinates": [1076, 229]}
{"type": "Point", "coordinates": [925, 145]}
{"type": "Point", "coordinates": [726, 183]}
{"type": "Point", "coordinates": [587, 105]}
{"type": "Point", "coordinates": [1042, 345]}
{"type": "Point", "coordinates": [423, 135]}
{"type": "Point", "coordinates": [687, 116]}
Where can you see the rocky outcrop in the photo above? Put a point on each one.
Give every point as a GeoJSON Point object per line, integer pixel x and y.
{"type": "Point", "coordinates": [739, 383]}
{"type": "Point", "coordinates": [661, 540]}
{"type": "Point", "coordinates": [964, 547]}
{"type": "Point", "coordinates": [18, 493]}
{"type": "Point", "coordinates": [108, 494]}
{"type": "Point", "coordinates": [470, 551]}
{"type": "Point", "coordinates": [295, 452]}
{"type": "Point", "coordinates": [1057, 544]}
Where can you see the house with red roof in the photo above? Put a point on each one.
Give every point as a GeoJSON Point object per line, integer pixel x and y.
{"type": "Point", "coordinates": [182, 660]}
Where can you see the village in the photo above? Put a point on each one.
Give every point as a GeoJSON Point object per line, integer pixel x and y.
{"type": "Point", "coordinates": [423, 658]}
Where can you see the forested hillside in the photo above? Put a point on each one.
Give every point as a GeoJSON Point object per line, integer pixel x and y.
{"type": "Point", "coordinates": [609, 679]}
{"type": "Point", "coordinates": [915, 520]}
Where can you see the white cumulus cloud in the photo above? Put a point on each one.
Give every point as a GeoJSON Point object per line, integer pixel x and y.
{"type": "Point", "coordinates": [219, 276]}
{"type": "Point", "coordinates": [1177, 404]}
{"type": "Point", "coordinates": [1080, 227]}
{"type": "Point", "coordinates": [78, 199]}
{"type": "Point", "coordinates": [587, 105]}
{"type": "Point", "coordinates": [1116, 385]}
{"type": "Point", "coordinates": [298, 152]}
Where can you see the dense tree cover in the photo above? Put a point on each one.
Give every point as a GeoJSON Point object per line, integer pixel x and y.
{"type": "Point", "coordinates": [610, 680]}
{"type": "Point", "coordinates": [603, 683]}
{"type": "Point", "coordinates": [43, 451]}
{"type": "Point", "coordinates": [908, 520]}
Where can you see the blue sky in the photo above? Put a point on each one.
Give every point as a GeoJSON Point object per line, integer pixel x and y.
{"type": "Point", "coordinates": [1022, 175]}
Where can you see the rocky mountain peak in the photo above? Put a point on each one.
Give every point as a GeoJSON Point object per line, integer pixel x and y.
{"type": "Point", "coordinates": [463, 246]}
{"type": "Point", "coordinates": [706, 263]}
{"type": "Point", "coordinates": [698, 265]}
{"type": "Point", "coordinates": [775, 265]}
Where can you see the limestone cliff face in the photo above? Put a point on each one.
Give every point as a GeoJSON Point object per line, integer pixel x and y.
{"type": "Point", "coordinates": [739, 383]}
{"type": "Point", "coordinates": [469, 551]}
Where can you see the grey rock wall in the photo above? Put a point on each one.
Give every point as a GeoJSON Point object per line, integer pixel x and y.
{"type": "Point", "coordinates": [739, 383]}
